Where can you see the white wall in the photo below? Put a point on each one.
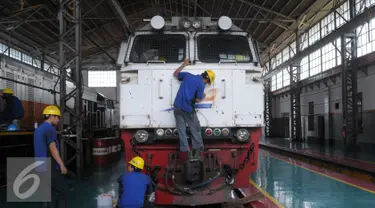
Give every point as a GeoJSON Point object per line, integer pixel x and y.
{"type": "Point", "coordinates": [325, 99]}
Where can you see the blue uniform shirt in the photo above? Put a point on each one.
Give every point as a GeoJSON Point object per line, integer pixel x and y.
{"type": "Point", "coordinates": [13, 109]}
{"type": "Point", "coordinates": [44, 135]}
{"type": "Point", "coordinates": [192, 87]}
{"type": "Point", "coordinates": [133, 189]}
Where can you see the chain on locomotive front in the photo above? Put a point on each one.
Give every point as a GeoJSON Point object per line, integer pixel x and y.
{"type": "Point", "coordinates": [231, 115]}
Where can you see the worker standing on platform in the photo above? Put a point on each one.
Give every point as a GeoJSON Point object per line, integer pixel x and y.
{"type": "Point", "coordinates": [190, 92]}
{"type": "Point", "coordinates": [134, 185]}
{"type": "Point", "coordinates": [13, 111]}
{"type": "Point", "coordinates": [46, 145]}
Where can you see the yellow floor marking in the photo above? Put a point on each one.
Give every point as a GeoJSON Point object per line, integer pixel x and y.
{"type": "Point", "coordinates": [278, 204]}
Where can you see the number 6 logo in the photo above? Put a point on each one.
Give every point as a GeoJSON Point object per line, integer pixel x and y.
{"type": "Point", "coordinates": [22, 177]}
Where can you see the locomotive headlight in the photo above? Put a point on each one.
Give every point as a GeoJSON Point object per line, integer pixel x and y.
{"type": "Point", "coordinates": [185, 23]}
{"type": "Point", "coordinates": [242, 135]}
{"type": "Point", "coordinates": [141, 136]}
{"type": "Point", "coordinates": [197, 23]}
{"type": "Point", "coordinates": [175, 132]}
{"type": "Point", "coordinates": [160, 132]}
{"type": "Point", "coordinates": [225, 23]}
{"type": "Point", "coordinates": [157, 22]}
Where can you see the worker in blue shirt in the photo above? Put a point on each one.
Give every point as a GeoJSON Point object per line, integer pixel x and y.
{"type": "Point", "coordinates": [46, 145]}
{"type": "Point", "coordinates": [14, 110]}
{"type": "Point", "coordinates": [191, 91]}
{"type": "Point", "coordinates": [134, 185]}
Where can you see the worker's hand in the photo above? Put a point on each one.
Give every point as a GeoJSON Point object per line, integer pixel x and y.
{"type": "Point", "coordinates": [186, 62]}
{"type": "Point", "coordinates": [64, 170]}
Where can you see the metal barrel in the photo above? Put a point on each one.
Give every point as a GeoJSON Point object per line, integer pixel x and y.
{"type": "Point", "coordinates": [100, 152]}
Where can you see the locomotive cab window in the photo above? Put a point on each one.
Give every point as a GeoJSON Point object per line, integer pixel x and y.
{"type": "Point", "coordinates": [158, 47]}
{"type": "Point", "coordinates": [215, 48]}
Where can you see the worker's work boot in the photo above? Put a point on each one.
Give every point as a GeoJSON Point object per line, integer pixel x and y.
{"type": "Point", "coordinates": [191, 156]}
{"type": "Point", "coordinates": [197, 154]}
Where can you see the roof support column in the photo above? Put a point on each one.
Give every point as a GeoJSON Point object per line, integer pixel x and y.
{"type": "Point", "coordinates": [268, 105]}
{"type": "Point", "coordinates": [70, 25]}
{"type": "Point", "coordinates": [295, 95]}
{"type": "Point", "coordinates": [349, 84]}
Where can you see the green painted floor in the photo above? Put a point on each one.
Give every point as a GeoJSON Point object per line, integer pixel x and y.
{"type": "Point", "coordinates": [292, 186]}
{"type": "Point", "coordinates": [295, 187]}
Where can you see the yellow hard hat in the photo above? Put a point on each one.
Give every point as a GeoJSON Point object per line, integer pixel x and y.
{"type": "Point", "coordinates": [211, 75]}
{"type": "Point", "coordinates": [8, 91]}
{"type": "Point", "coordinates": [52, 110]}
{"type": "Point", "coordinates": [137, 162]}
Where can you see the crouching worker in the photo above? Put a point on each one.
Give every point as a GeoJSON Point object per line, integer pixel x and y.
{"type": "Point", "coordinates": [135, 186]}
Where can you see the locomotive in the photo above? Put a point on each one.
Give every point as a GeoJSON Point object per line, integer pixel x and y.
{"type": "Point", "coordinates": [37, 89]}
{"type": "Point", "coordinates": [231, 115]}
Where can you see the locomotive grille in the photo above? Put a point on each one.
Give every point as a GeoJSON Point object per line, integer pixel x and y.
{"type": "Point", "coordinates": [30, 103]}
{"type": "Point", "coordinates": [8, 83]}
{"type": "Point", "coordinates": [169, 48]}
{"type": "Point", "coordinates": [214, 48]}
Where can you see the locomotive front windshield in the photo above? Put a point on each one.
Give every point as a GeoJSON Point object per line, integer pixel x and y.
{"type": "Point", "coordinates": [158, 47]}
{"type": "Point", "coordinates": [215, 48]}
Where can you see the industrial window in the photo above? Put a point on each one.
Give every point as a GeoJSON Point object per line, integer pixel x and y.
{"type": "Point", "coordinates": [55, 70]}
{"type": "Point", "coordinates": [168, 48]}
{"type": "Point", "coordinates": [268, 65]}
{"type": "Point", "coordinates": [305, 67]}
{"type": "Point", "coordinates": [36, 63]}
{"type": "Point", "coordinates": [286, 54]}
{"type": "Point", "coordinates": [102, 79]}
{"type": "Point", "coordinates": [311, 122]}
{"type": "Point", "coordinates": [327, 24]}
{"type": "Point", "coordinates": [215, 48]}
{"type": "Point", "coordinates": [328, 57]}
{"type": "Point", "coordinates": [15, 54]}
{"type": "Point", "coordinates": [3, 49]}
{"type": "Point", "coordinates": [343, 15]}
{"type": "Point", "coordinates": [286, 77]}
{"type": "Point", "coordinates": [315, 63]}
{"type": "Point", "coordinates": [273, 83]}
{"type": "Point", "coordinates": [293, 49]}
{"type": "Point", "coordinates": [46, 67]}
{"type": "Point", "coordinates": [68, 71]}
{"type": "Point", "coordinates": [314, 34]}
{"type": "Point", "coordinates": [273, 63]}
{"type": "Point", "coordinates": [363, 42]}
{"type": "Point", "coordinates": [27, 59]}
{"type": "Point", "coordinates": [279, 80]}
{"type": "Point", "coordinates": [372, 33]}
{"type": "Point", "coordinates": [304, 41]}
{"type": "Point", "coordinates": [360, 6]}
{"type": "Point", "coordinates": [279, 59]}
{"type": "Point", "coordinates": [338, 51]}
